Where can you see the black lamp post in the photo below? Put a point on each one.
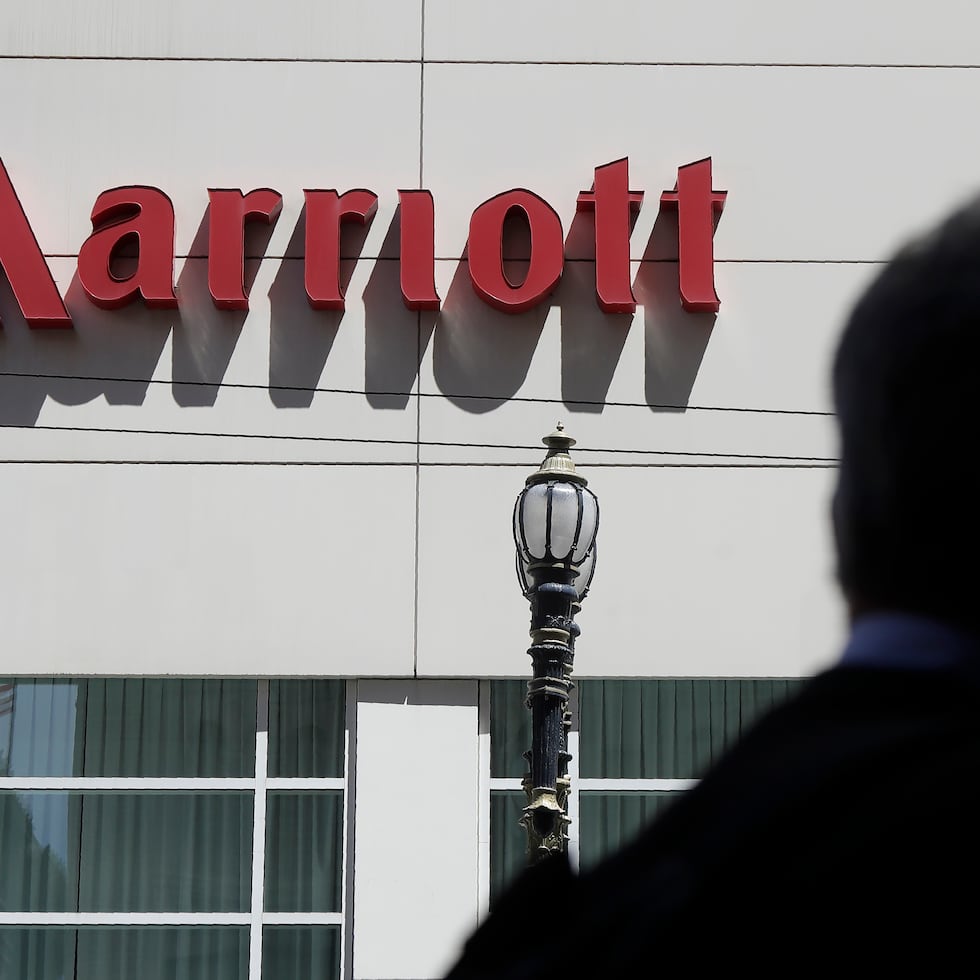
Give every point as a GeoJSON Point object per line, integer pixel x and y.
{"type": "Point", "coordinates": [555, 524]}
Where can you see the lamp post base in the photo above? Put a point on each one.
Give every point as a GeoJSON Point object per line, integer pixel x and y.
{"type": "Point", "coordinates": [545, 822]}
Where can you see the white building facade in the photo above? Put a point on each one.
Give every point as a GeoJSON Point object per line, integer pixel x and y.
{"type": "Point", "coordinates": [259, 707]}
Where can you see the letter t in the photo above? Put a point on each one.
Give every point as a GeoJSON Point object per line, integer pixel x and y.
{"type": "Point", "coordinates": [613, 203]}
{"type": "Point", "coordinates": [696, 205]}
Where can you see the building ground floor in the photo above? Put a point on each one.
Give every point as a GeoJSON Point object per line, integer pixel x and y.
{"type": "Point", "coordinates": [243, 829]}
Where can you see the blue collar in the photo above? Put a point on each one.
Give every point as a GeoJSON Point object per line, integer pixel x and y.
{"type": "Point", "coordinates": [910, 642]}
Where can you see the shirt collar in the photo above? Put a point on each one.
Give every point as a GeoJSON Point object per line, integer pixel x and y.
{"type": "Point", "coordinates": [909, 642]}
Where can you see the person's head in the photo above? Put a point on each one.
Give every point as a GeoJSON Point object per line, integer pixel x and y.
{"type": "Point", "coordinates": [907, 394]}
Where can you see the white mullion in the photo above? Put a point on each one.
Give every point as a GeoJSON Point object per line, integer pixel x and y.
{"type": "Point", "coordinates": [484, 784]}
{"type": "Point", "coordinates": [635, 785]}
{"type": "Point", "coordinates": [132, 784]}
{"type": "Point", "coordinates": [347, 859]}
{"type": "Point", "coordinates": [305, 782]}
{"type": "Point", "coordinates": [573, 769]}
{"type": "Point", "coordinates": [258, 830]}
{"type": "Point", "coordinates": [505, 782]}
{"type": "Point", "coordinates": [303, 918]}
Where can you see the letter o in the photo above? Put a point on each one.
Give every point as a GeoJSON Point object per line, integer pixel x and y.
{"type": "Point", "coordinates": [485, 251]}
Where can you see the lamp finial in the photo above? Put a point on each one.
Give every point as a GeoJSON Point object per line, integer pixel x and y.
{"type": "Point", "coordinates": [557, 464]}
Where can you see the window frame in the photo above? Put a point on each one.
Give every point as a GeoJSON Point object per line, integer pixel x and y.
{"type": "Point", "coordinates": [259, 784]}
{"type": "Point", "coordinates": [614, 785]}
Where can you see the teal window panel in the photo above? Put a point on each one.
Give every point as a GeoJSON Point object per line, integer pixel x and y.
{"type": "Point", "coordinates": [510, 728]}
{"type": "Point", "coordinates": [39, 835]}
{"type": "Point", "coordinates": [306, 727]}
{"type": "Point", "coordinates": [667, 729]}
{"type": "Point", "coordinates": [300, 952]}
{"type": "Point", "coordinates": [127, 727]}
{"type": "Point", "coordinates": [508, 840]}
{"type": "Point", "coordinates": [304, 851]}
{"type": "Point", "coordinates": [163, 953]}
{"type": "Point", "coordinates": [608, 821]}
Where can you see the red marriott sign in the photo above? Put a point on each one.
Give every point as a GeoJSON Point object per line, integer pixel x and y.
{"type": "Point", "coordinates": [146, 215]}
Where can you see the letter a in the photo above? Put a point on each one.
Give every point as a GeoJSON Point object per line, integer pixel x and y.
{"type": "Point", "coordinates": [24, 265]}
{"type": "Point", "coordinates": [147, 214]}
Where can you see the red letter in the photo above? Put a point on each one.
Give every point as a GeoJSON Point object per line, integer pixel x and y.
{"type": "Point", "coordinates": [486, 242]}
{"type": "Point", "coordinates": [613, 203]}
{"type": "Point", "coordinates": [696, 205]}
{"type": "Point", "coordinates": [325, 210]}
{"type": "Point", "coordinates": [418, 250]}
{"type": "Point", "coordinates": [147, 213]}
{"type": "Point", "coordinates": [24, 265]}
{"type": "Point", "coordinates": [229, 211]}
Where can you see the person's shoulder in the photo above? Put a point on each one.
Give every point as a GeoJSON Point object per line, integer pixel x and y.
{"type": "Point", "coordinates": [824, 801]}
{"type": "Point", "coordinates": [864, 697]}
{"type": "Point", "coordinates": [838, 747]}
{"type": "Point", "coordinates": [807, 812]}
{"type": "Point", "coordinates": [514, 941]}
{"type": "Point", "coordinates": [852, 722]}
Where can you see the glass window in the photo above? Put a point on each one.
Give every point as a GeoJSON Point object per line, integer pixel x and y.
{"type": "Point", "coordinates": [508, 839]}
{"type": "Point", "coordinates": [125, 851]}
{"type": "Point", "coordinates": [304, 852]}
{"type": "Point", "coordinates": [128, 727]}
{"type": "Point", "coordinates": [610, 820]}
{"type": "Point", "coordinates": [163, 953]}
{"type": "Point", "coordinates": [300, 952]}
{"type": "Point", "coordinates": [165, 852]}
{"type": "Point", "coordinates": [633, 735]}
{"type": "Point", "coordinates": [122, 953]}
{"type": "Point", "coordinates": [40, 727]}
{"type": "Point", "coordinates": [306, 728]}
{"type": "Point", "coordinates": [667, 729]}
{"type": "Point", "coordinates": [169, 727]}
{"type": "Point", "coordinates": [510, 737]}
{"type": "Point", "coordinates": [137, 796]}
{"type": "Point", "coordinates": [37, 952]}
{"type": "Point", "coordinates": [39, 851]}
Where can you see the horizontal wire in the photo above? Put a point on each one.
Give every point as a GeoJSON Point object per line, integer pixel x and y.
{"type": "Point", "coordinates": [404, 442]}
{"type": "Point", "coordinates": [245, 386]}
{"type": "Point", "coordinates": [588, 259]}
{"type": "Point", "coordinates": [697, 64]}
{"type": "Point", "coordinates": [218, 59]}
{"type": "Point", "coordinates": [407, 463]}
{"type": "Point", "coordinates": [556, 63]}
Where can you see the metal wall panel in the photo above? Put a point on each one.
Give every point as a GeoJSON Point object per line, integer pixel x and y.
{"type": "Point", "coordinates": [218, 29]}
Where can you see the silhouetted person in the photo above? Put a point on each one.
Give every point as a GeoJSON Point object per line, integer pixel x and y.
{"type": "Point", "coordinates": [845, 826]}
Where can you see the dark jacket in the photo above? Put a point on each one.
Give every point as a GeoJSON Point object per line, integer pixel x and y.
{"type": "Point", "coordinates": [845, 826]}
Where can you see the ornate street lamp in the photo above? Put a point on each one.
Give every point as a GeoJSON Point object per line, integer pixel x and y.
{"type": "Point", "coordinates": [555, 522]}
